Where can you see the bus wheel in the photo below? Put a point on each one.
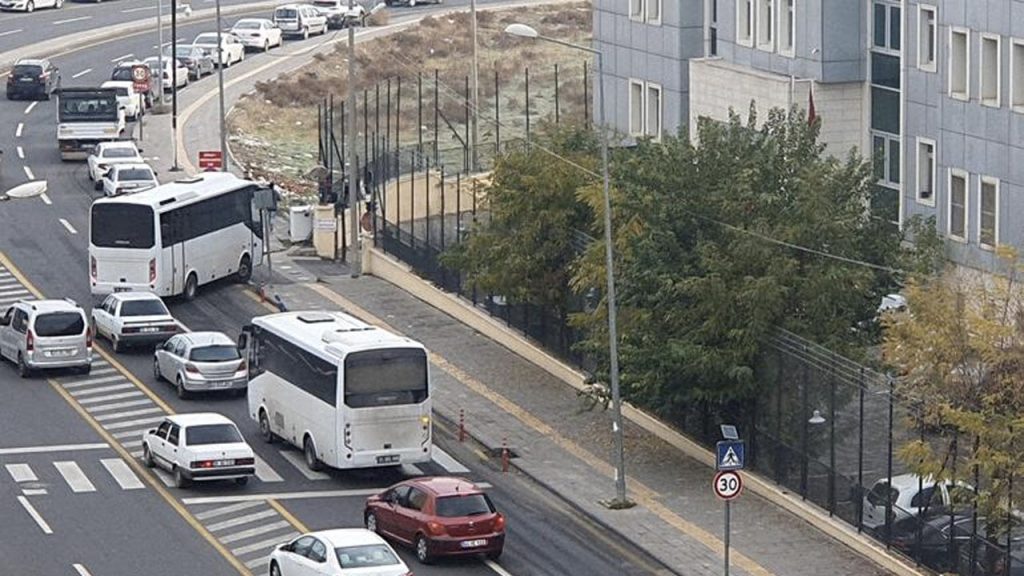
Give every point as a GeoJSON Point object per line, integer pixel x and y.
{"type": "Point", "coordinates": [191, 286]}
{"type": "Point", "coordinates": [265, 432]}
{"type": "Point", "coordinates": [309, 450]}
{"type": "Point", "coordinates": [244, 269]}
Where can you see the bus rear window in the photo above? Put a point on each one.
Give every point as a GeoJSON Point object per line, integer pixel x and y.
{"type": "Point", "coordinates": [388, 377]}
{"type": "Point", "coordinates": [116, 225]}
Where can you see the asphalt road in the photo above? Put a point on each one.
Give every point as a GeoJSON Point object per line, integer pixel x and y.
{"type": "Point", "coordinates": [160, 530]}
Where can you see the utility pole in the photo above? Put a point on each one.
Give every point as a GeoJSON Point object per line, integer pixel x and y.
{"type": "Point", "coordinates": [174, 84]}
{"type": "Point", "coordinates": [220, 86]}
{"type": "Point", "coordinates": [353, 170]}
{"type": "Point", "coordinates": [159, 84]}
{"type": "Point", "coordinates": [475, 119]}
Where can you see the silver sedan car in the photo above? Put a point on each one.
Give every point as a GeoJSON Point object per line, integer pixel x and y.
{"type": "Point", "coordinates": [201, 361]}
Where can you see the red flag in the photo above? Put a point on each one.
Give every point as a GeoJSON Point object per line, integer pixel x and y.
{"type": "Point", "coordinates": [811, 112]}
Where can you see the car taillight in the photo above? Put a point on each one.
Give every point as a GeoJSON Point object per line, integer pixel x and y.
{"type": "Point", "coordinates": [202, 464]}
{"type": "Point", "coordinates": [152, 269]}
{"type": "Point", "coordinates": [435, 528]}
{"type": "Point", "coordinates": [30, 341]}
{"type": "Point", "coordinates": [88, 337]}
{"type": "Point", "coordinates": [499, 523]}
{"type": "Point", "coordinates": [191, 368]}
{"type": "Point", "coordinates": [92, 266]}
{"type": "Point", "coordinates": [43, 76]}
{"type": "Point", "coordinates": [245, 461]}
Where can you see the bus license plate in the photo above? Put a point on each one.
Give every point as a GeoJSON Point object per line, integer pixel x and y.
{"type": "Point", "coordinates": [389, 459]}
{"type": "Point", "coordinates": [122, 289]}
{"type": "Point", "coordinates": [473, 543]}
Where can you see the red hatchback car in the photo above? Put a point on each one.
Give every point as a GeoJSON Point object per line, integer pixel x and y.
{"type": "Point", "coordinates": [438, 517]}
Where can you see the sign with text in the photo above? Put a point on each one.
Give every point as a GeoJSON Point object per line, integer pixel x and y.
{"type": "Point", "coordinates": [728, 484]}
{"type": "Point", "coordinates": [210, 160]}
{"type": "Point", "coordinates": [140, 78]}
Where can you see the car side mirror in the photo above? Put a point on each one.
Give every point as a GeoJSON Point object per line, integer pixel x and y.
{"type": "Point", "coordinates": [287, 548]}
{"type": "Point", "coordinates": [140, 150]}
{"type": "Point", "coordinates": [243, 342]}
{"type": "Point", "coordinates": [151, 431]}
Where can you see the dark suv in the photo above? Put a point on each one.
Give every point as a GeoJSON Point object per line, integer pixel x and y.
{"type": "Point", "coordinates": [35, 78]}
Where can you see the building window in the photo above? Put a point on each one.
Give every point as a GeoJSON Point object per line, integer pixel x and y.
{"type": "Point", "coordinates": [990, 70]}
{"type": "Point", "coordinates": [887, 26]}
{"type": "Point", "coordinates": [645, 109]}
{"type": "Point", "coordinates": [959, 63]}
{"type": "Point", "coordinates": [648, 11]}
{"type": "Point", "coordinates": [745, 22]}
{"type": "Point", "coordinates": [787, 26]}
{"type": "Point", "coordinates": [988, 214]}
{"type": "Point", "coordinates": [1017, 75]}
{"type": "Point", "coordinates": [712, 8]}
{"type": "Point", "coordinates": [957, 209]}
{"type": "Point", "coordinates": [927, 36]}
{"type": "Point", "coordinates": [886, 158]}
{"type": "Point", "coordinates": [652, 126]}
{"type": "Point", "coordinates": [636, 10]}
{"type": "Point", "coordinates": [654, 11]}
{"type": "Point", "coordinates": [636, 108]}
{"type": "Point", "coordinates": [766, 24]}
{"type": "Point", "coordinates": [926, 171]}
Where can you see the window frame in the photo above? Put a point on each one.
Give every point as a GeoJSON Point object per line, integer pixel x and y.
{"type": "Point", "coordinates": [964, 96]}
{"type": "Point", "coordinates": [1016, 80]}
{"type": "Point", "coordinates": [997, 101]}
{"type": "Point", "coordinates": [765, 10]}
{"type": "Point", "coordinates": [637, 10]}
{"type": "Point", "coordinates": [917, 177]}
{"type": "Point", "coordinates": [888, 33]}
{"type": "Point", "coordinates": [997, 183]}
{"type": "Point", "coordinates": [966, 176]}
{"type": "Point", "coordinates": [648, 87]}
{"type": "Point", "coordinates": [635, 131]}
{"type": "Point", "coordinates": [640, 11]}
{"type": "Point", "coordinates": [923, 65]}
{"type": "Point", "coordinates": [654, 21]}
{"type": "Point", "coordinates": [891, 140]}
{"type": "Point", "coordinates": [784, 9]}
{"type": "Point", "coordinates": [749, 7]}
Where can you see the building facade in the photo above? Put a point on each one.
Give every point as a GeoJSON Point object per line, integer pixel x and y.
{"type": "Point", "coordinates": [934, 91]}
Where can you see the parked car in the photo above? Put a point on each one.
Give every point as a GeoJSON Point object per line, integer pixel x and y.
{"type": "Point", "coordinates": [197, 60]}
{"type": "Point", "coordinates": [341, 552]}
{"type": "Point", "coordinates": [37, 78]}
{"type": "Point", "coordinates": [199, 447]}
{"type": "Point", "coordinates": [127, 97]}
{"type": "Point", "coordinates": [929, 541]}
{"type": "Point", "coordinates": [172, 68]}
{"type": "Point", "coordinates": [907, 495]}
{"type": "Point", "coordinates": [37, 334]}
{"type": "Point", "coordinates": [411, 3]}
{"type": "Point", "coordinates": [134, 318]}
{"type": "Point", "coordinates": [106, 154]}
{"type": "Point", "coordinates": [300, 20]}
{"type": "Point", "coordinates": [123, 72]}
{"type": "Point", "coordinates": [30, 5]}
{"type": "Point", "coordinates": [338, 14]}
{"type": "Point", "coordinates": [257, 33]}
{"type": "Point", "coordinates": [201, 361]}
{"type": "Point", "coordinates": [127, 178]}
{"type": "Point", "coordinates": [232, 50]}
{"type": "Point", "coordinates": [437, 516]}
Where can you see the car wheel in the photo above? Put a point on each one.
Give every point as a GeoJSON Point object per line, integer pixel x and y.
{"type": "Point", "coordinates": [421, 546]}
{"type": "Point", "coordinates": [274, 569]}
{"type": "Point", "coordinates": [23, 370]}
{"type": "Point", "coordinates": [242, 481]}
{"type": "Point", "coordinates": [115, 343]}
{"type": "Point", "coordinates": [244, 269]}
{"type": "Point", "coordinates": [191, 286]}
{"type": "Point", "coordinates": [30, 7]}
{"type": "Point", "coordinates": [147, 457]}
{"type": "Point", "coordinates": [58, 4]}
{"type": "Point", "coordinates": [309, 450]}
{"type": "Point", "coordinates": [305, 33]}
{"type": "Point", "coordinates": [156, 371]}
{"type": "Point", "coordinates": [180, 481]}
{"type": "Point", "coordinates": [97, 184]}
{"type": "Point", "coordinates": [266, 45]}
{"type": "Point", "coordinates": [371, 521]}
{"type": "Point", "coordinates": [412, 3]}
{"type": "Point", "coordinates": [266, 433]}
{"type": "Point", "coordinates": [180, 389]}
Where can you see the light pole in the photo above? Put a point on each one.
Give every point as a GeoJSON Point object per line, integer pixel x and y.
{"type": "Point", "coordinates": [174, 84]}
{"type": "Point", "coordinates": [475, 144]}
{"type": "Point", "coordinates": [220, 87]}
{"type": "Point", "coordinates": [620, 501]}
{"type": "Point", "coordinates": [353, 170]}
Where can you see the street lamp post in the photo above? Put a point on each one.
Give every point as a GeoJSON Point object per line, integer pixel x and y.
{"type": "Point", "coordinates": [620, 501]}
{"type": "Point", "coordinates": [174, 84]}
{"type": "Point", "coordinates": [220, 88]}
{"type": "Point", "coordinates": [352, 171]}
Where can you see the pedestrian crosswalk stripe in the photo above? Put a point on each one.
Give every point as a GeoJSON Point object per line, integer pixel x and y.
{"type": "Point", "coordinates": [12, 299]}
{"type": "Point", "coordinates": [132, 443]}
{"type": "Point", "coordinates": [261, 561]}
{"type": "Point", "coordinates": [228, 509]}
{"type": "Point", "coordinates": [98, 399]}
{"type": "Point", "coordinates": [265, 545]}
{"type": "Point", "coordinates": [296, 460]}
{"type": "Point", "coordinates": [101, 389]}
{"type": "Point", "coordinates": [34, 491]}
{"type": "Point", "coordinates": [130, 423]}
{"type": "Point", "coordinates": [136, 454]}
{"type": "Point", "coordinates": [122, 474]}
{"type": "Point", "coordinates": [444, 460]}
{"type": "Point", "coordinates": [118, 405]}
{"type": "Point", "coordinates": [74, 476]}
{"type": "Point", "coordinates": [265, 473]}
{"type": "Point", "coordinates": [257, 531]}
{"type": "Point", "coordinates": [93, 381]}
{"type": "Point", "coordinates": [21, 473]}
{"type": "Point", "coordinates": [164, 477]}
{"type": "Point", "coordinates": [137, 433]}
{"type": "Point", "coordinates": [12, 289]}
{"type": "Point", "coordinates": [119, 415]}
{"type": "Point", "coordinates": [238, 521]}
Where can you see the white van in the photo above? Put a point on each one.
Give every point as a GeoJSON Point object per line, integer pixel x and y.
{"type": "Point", "coordinates": [39, 334]}
{"type": "Point", "coordinates": [300, 20]}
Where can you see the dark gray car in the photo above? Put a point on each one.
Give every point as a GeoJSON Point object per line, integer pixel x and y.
{"type": "Point", "coordinates": [198, 61]}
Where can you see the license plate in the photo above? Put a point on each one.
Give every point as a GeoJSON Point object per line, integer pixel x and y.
{"type": "Point", "coordinates": [473, 543]}
{"type": "Point", "coordinates": [221, 384]}
{"type": "Point", "coordinates": [122, 289]}
{"type": "Point", "coordinates": [223, 462]}
{"type": "Point", "coordinates": [59, 353]}
{"type": "Point", "coordinates": [389, 459]}
{"type": "Point", "coordinates": [26, 79]}
{"type": "Point", "coordinates": [150, 329]}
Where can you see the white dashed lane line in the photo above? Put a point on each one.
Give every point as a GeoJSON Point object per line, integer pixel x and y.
{"type": "Point", "coordinates": [81, 570]}
{"type": "Point", "coordinates": [125, 57]}
{"type": "Point", "coordinates": [82, 73]}
{"type": "Point", "coordinates": [30, 107]}
{"type": "Point", "coordinates": [35, 515]}
{"type": "Point", "coordinates": [21, 153]}
{"type": "Point", "coordinates": [29, 174]}
{"type": "Point", "coordinates": [70, 20]}
{"type": "Point", "coordinates": [68, 226]}
{"type": "Point", "coordinates": [45, 199]}
{"type": "Point", "coordinates": [9, 32]}
{"type": "Point", "coordinates": [21, 126]}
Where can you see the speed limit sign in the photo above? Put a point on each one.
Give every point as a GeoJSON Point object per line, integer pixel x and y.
{"type": "Point", "coordinates": [728, 484]}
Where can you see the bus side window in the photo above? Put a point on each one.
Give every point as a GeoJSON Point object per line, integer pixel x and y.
{"type": "Point", "coordinates": [256, 353]}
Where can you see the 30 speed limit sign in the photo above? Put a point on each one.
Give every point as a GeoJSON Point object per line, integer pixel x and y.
{"type": "Point", "coordinates": [728, 484]}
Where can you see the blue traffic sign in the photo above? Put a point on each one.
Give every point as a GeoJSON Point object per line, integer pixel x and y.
{"type": "Point", "coordinates": [730, 455]}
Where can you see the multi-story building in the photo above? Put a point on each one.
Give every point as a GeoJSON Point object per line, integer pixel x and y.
{"type": "Point", "coordinates": [934, 90]}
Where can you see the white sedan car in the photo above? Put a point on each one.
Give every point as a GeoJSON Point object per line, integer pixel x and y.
{"type": "Point", "coordinates": [169, 73]}
{"type": "Point", "coordinates": [340, 552]}
{"type": "Point", "coordinates": [30, 5]}
{"type": "Point", "coordinates": [133, 318]}
{"type": "Point", "coordinates": [127, 178]}
{"type": "Point", "coordinates": [127, 97]}
{"type": "Point", "coordinates": [201, 361]}
{"type": "Point", "coordinates": [257, 33]}
{"type": "Point", "coordinates": [199, 447]}
{"type": "Point", "coordinates": [232, 49]}
{"type": "Point", "coordinates": [106, 154]}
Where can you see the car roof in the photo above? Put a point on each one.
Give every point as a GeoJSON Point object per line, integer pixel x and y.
{"type": "Point", "coordinates": [135, 295]}
{"type": "Point", "coordinates": [129, 166]}
{"type": "Point", "coordinates": [341, 537]}
{"type": "Point", "coordinates": [446, 485]}
{"type": "Point", "coordinates": [240, 20]}
{"type": "Point", "coordinates": [199, 418]}
{"type": "Point", "coordinates": [117, 84]}
{"type": "Point", "coordinates": [52, 305]}
{"type": "Point", "coordinates": [30, 62]}
{"type": "Point", "coordinates": [118, 144]}
{"type": "Point", "coordinates": [208, 338]}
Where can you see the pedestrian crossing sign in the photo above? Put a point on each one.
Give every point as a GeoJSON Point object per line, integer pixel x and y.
{"type": "Point", "coordinates": [730, 455]}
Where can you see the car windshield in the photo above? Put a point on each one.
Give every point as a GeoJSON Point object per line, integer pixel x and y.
{"type": "Point", "coordinates": [468, 505]}
{"type": "Point", "coordinates": [121, 91]}
{"type": "Point", "coordinates": [183, 52]}
{"type": "Point", "coordinates": [366, 556]}
{"type": "Point", "coordinates": [144, 174]}
{"type": "Point", "coordinates": [153, 307]}
{"type": "Point", "coordinates": [121, 73]}
{"type": "Point", "coordinates": [878, 493]}
{"type": "Point", "coordinates": [325, 3]}
{"type": "Point", "coordinates": [286, 13]}
{"type": "Point", "coordinates": [212, 434]}
{"type": "Point", "coordinates": [119, 152]}
{"type": "Point", "coordinates": [27, 70]}
{"type": "Point", "coordinates": [217, 353]}
{"type": "Point", "coordinates": [206, 39]}
{"type": "Point", "coordinates": [247, 26]}
{"type": "Point", "coordinates": [59, 324]}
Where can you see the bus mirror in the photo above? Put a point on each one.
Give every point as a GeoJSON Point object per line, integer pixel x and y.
{"type": "Point", "coordinates": [243, 341]}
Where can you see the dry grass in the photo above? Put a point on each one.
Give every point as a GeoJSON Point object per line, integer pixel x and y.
{"type": "Point", "coordinates": [274, 129]}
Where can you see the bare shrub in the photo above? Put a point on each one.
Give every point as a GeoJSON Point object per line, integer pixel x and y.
{"type": "Point", "coordinates": [379, 18]}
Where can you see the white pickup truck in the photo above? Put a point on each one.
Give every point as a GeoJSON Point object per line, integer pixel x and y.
{"type": "Point", "coordinates": [85, 117]}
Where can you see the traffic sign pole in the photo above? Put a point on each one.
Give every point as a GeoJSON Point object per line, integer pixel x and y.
{"type": "Point", "coordinates": [727, 504]}
{"type": "Point", "coordinates": [728, 484]}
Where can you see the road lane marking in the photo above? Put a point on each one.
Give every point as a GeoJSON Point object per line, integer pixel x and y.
{"type": "Point", "coordinates": [137, 433]}
{"type": "Point", "coordinates": [100, 389]}
{"type": "Point", "coordinates": [130, 10]}
{"type": "Point", "coordinates": [265, 473]}
{"type": "Point", "coordinates": [17, 131]}
{"type": "Point", "coordinates": [8, 291]}
{"type": "Point", "coordinates": [125, 57]}
{"type": "Point", "coordinates": [21, 153]}
{"type": "Point", "coordinates": [238, 521]}
{"type": "Point", "coordinates": [68, 226]}
{"type": "Point", "coordinates": [93, 381]}
{"type": "Point", "coordinates": [11, 32]}
{"type": "Point", "coordinates": [361, 492]}
{"type": "Point", "coordinates": [81, 570]}
{"type": "Point", "coordinates": [45, 199]}
{"type": "Point", "coordinates": [99, 399]}
{"type": "Point", "coordinates": [227, 510]}
{"type": "Point", "coordinates": [21, 473]}
{"type": "Point", "coordinates": [34, 491]}
{"type": "Point", "coordinates": [122, 474]}
{"type": "Point", "coordinates": [54, 448]}
{"type": "Point", "coordinates": [262, 560]}
{"type": "Point", "coordinates": [255, 531]}
{"type": "Point", "coordinates": [294, 459]}
{"type": "Point", "coordinates": [82, 73]}
{"type": "Point", "coordinates": [35, 515]}
{"type": "Point", "coordinates": [31, 107]}
{"type": "Point", "coordinates": [445, 460]}
{"type": "Point", "coordinates": [130, 423]}
{"type": "Point", "coordinates": [70, 20]}
{"type": "Point", "coordinates": [267, 544]}
{"type": "Point", "coordinates": [28, 173]}
{"type": "Point", "coordinates": [119, 415]}
{"type": "Point", "coordinates": [132, 444]}
{"type": "Point", "coordinates": [117, 405]}
{"type": "Point", "coordinates": [74, 476]}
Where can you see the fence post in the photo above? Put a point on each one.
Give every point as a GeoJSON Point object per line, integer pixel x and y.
{"type": "Point", "coordinates": [426, 208]}
{"type": "Point", "coordinates": [474, 227]}
{"type": "Point", "coordinates": [458, 227]}
{"type": "Point", "coordinates": [412, 201]}
{"type": "Point", "coordinates": [803, 431]}
{"type": "Point", "coordinates": [497, 115]}
{"type": "Point", "coordinates": [366, 137]}
{"type": "Point", "coordinates": [952, 512]}
{"type": "Point", "coordinates": [832, 440]}
{"type": "Point", "coordinates": [419, 110]}
{"type": "Point", "coordinates": [860, 455]}
{"type": "Point", "coordinates": [468, 143]}
{"type": "Point", "coordinates": [888, 470]}
{"type": "Point", "coordinates": [444, 214]}
{"type": "Point", "coordinates": [586, 95]}
{"type": "Point", "coordinates": [527, 104]}
{"type": "Point", "coordinates": [556, 94]}
{"type": "Point", "coordinates": [780, 459]}
{"type": "Point", "coordinates": [437, 110]}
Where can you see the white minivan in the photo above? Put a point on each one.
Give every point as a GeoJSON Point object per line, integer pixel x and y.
{"type": "Point", "coordinates": [300, 20]}
{"type": "Point", "coordinates": [38, 334]}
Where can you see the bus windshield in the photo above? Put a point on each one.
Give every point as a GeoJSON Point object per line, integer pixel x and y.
{"type": "Point", "coordinates": [122, 226]}
{"type": "Point", "coordinates": [387, 377]}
